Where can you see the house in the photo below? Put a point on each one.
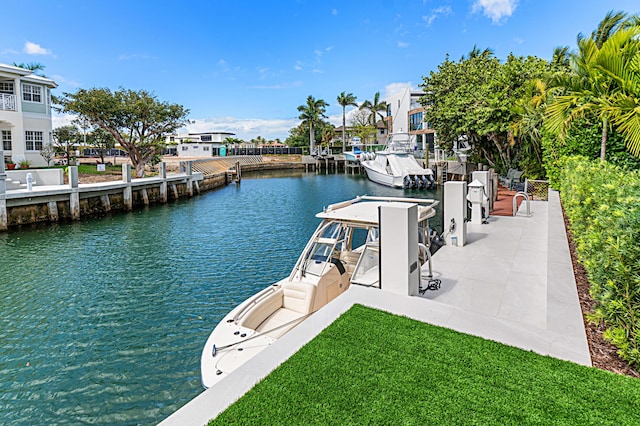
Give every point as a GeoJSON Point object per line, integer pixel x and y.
{"type": "Point", "coordinates": [406, 114]}
{"type": "Point", "coordinates": [25, 114]}
{"type": "Point", "coordinates": [198, 144]}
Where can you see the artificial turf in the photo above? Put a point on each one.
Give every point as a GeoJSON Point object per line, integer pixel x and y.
{"type": "Point", "coordinates": [371, 367]}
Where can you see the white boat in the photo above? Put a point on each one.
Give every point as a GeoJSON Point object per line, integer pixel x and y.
{"type": "Point", "coordinates": [396, 166]}
{"type": "Point", "coordinates": [354, 155]}
{"type": "Point", "coordinates": [343, 250]}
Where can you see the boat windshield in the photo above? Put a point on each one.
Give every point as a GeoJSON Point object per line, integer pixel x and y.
{"type": "Point", "coordinates": [325, 247]}
{"type": "Point", "coordinates": [367, 272]}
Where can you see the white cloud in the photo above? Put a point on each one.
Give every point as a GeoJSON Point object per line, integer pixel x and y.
{"type": "Point", "coordinates": [402, 44]}
{"type": "Point", "coordinates": [59, 120]}
{"type": "Point", "coordinates": [495, 9]}
{"type": "Point", "coordinates": [436, 13]}
{"type": "Point", "coordinates": [31, 48]}
{"type": "Point", "coordinates": [334, 12]}
{"type": "Point", "coordinates": [245, 128]}
{"type": "Point", "coordinates": [61, 80]}
{"type": "Point", "coordinates": [395, 88]}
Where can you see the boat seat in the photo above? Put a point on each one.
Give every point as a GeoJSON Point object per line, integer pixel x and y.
{"type": "Point", "coordinates": [296, 303]}
{"type": "Point", "coordinates": [350, 258]}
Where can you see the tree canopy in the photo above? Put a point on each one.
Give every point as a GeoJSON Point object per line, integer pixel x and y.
{"type": "Point", "coordinates": [137, 120]}
{"type": "Point", "coordinates": [311, 114]}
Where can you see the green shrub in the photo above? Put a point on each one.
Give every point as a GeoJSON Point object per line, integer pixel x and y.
{"type": "Point", "coordinates": [602, 202]}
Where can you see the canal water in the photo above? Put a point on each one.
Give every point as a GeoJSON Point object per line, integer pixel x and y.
{"type": "Point", "coordinates": [102, 321]}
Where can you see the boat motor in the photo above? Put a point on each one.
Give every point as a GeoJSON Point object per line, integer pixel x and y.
{"type": "Point", "coordinates": [407, 182]}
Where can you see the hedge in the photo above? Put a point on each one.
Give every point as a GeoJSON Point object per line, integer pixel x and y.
{"type": "Point", "coordinates": [602, 203]}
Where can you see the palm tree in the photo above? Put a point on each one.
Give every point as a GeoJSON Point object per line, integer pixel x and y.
{"type": "Point", "coordinates": [345, 100]}
{"type": "Point", "coordinates": [375, 109]}
{"type": "Point", "coordinates": [311, 114]}
{"type": "Point", "coordinates": [589, 88]}
{"type": "Point", "coordinates": [34, 67]}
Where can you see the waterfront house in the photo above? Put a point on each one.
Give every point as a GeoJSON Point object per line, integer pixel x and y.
{"type": "Point", "coordinates": [198, 144]}
{"type": "Point", "coordinates": [405, 113]}
{"type": "Point", "coordinates": [25, 114]}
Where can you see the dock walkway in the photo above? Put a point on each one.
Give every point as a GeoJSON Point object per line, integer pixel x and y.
{"type": "Point", "coordinates": [513, 283]}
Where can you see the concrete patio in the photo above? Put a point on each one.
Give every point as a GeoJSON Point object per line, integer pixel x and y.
{"type": "Point", "coordinates": [513, 283]}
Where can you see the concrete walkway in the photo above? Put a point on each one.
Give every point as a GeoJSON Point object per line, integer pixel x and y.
{"type": "Point", "coordinates": [513, 283]}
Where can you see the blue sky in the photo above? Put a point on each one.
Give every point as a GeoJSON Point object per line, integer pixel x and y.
{"type": "Point", "coordinates": [245, 66]}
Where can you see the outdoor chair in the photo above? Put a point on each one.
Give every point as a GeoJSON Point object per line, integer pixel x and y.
{"type": "Point", "coordinates": [505, 180]}
{"type": "Point", "coordinates": [515, 179]}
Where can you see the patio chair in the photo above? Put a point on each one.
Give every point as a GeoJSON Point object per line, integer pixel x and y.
{"type": "Point", "coordinates": [515, 179]}
{"type": "Point", "coordinates": [505, 180]}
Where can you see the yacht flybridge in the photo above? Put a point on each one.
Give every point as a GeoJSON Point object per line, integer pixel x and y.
{"type": "Point", "coordinates": [395, 166]}
{"type": "Point", "coordinates": [343, 250]}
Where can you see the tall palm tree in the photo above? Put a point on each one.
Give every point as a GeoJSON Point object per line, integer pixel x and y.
{"type": "Point", "coordinates": [375, 108]}
{"type": "Point", "coordinates": [34, 67]}
{"type": "Point", "coordinates": [589, 89]}
{"type": "Point", "coordinates": [345, 100]}
{"type": "Point", "coordinates": [311, 114]}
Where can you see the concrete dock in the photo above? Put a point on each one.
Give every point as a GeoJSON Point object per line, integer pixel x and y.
{"type": "Point", "coordinates": [513, 283]}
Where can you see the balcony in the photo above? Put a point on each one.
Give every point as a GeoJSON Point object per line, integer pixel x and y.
{"type": "Point", "coordinates": [7, 102]}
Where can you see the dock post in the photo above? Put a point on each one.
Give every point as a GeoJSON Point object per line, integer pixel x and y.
{"type": "Point", "coordinates": [74, 197]}
{"type": "Point", "coordinates": [163, 184]}
{"type": "Point", "coordinates": [127, 193]}
{"type": "Point", "coordinates": [189, 178]}
{"type": "Point", "coordinates": [238, 172]}
{"type": "Point", "coordinates": [52, 207]}
{"type": "Point", "coordinates": [3, 197]}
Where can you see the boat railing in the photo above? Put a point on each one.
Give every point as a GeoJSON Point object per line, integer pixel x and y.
{"type": "Point", "coordinates": [254, 301]}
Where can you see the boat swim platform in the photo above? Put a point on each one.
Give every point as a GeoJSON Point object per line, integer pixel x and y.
{"type": "Point", "coordinates": [512, 283]}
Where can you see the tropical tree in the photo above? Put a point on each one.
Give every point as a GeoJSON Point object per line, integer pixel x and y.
{"type": "Point", "coordinates": [137, 119]}
{"type": "Point", "coordinates": [375, 109]}
{"type": "Point", "coordinates": [359, 121]}
{"type": "Point", "coordinates": [34, 67]}
{"type": "Point", "coordinates": [345, 100]}
{"type": "Point", "coordinates": [601, 82]}
{"type": "Point", "coordinates": [311, 115]}
{"type": "Point", "coordinates": [47, 153]}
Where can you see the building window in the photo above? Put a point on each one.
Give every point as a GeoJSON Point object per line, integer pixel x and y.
{"type": "Point", "coordinates": [6, 87]}
{"type": "Point", "coordinates": [185, 148]}
{"type": "Point", "coordinates": [33, 140]}
{"type": "Point", "coordinates": [31, 93]}
{"type": "Point", "coordinates": [205, 138]}
{"type": "Point", "coordinates": [388, 110]}
{"type": "Point", "coordinates": [415, 121]}
{"type": "Point", "coordinates": [6, 140]}
{"type": "Point", "coordinates": [205, 148]}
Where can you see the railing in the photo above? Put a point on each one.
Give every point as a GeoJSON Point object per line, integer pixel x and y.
{"type": "Point", "coordinates": [7, 102]}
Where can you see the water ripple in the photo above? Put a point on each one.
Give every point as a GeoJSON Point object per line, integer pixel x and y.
{"type": "Point", "coordinates": [103, 321]}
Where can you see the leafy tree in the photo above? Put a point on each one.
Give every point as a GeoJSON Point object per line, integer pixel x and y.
{"type": "Point", "coordinates": [473, 100]}
{"type": "Point", "coordinates": [65, 138]}
{"type": "Point", "coordinates": [345, 100]}
{"type": "Point", "coordinates": [137, 119]}
{"type": "Point", "coordinates": [101, 140]}
{"type": "Point", "coordinates": [233, 141]}
{"type": "Point", "coordinates": [311, 115]}
{"type": "Point", "coordinates": [47, 153]}
{"type": "Point", "coordinates": [363, 128]}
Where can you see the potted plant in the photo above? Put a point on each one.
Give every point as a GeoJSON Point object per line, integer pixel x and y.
{"type": "Point", "coordinates": [10, 164]}
{"type": "Point", "coordinates": [24, 164]}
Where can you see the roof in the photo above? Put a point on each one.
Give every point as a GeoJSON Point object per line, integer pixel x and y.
{"type": "Point", "coordinates": [27, 75]}
{"type": "Point", "coordinates": [366, 212]}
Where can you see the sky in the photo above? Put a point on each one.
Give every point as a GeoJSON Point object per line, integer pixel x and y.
{"type": "Point", "coordinates": [245, 66]}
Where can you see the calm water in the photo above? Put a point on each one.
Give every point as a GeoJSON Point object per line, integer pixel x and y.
{"type": "Point", "coordinates": [103, 321]}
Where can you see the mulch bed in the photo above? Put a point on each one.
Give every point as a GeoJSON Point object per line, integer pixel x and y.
{"type": "Point", "coordinates": [603, 354]}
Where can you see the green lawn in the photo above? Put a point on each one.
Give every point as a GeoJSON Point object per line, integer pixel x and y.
{"type": "Point", "coordinates": [371, 367]}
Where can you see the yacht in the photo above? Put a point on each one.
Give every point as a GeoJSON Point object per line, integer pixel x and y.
{"type": "Point", "coordinates": [343, 250]}
{"type": "Point", "coordinates": [396, 166]}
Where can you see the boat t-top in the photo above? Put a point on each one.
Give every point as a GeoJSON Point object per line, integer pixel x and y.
{"type": "Point", "coordinates": [343, 250]}
{"type": "Point", "coordinates": [396, 166]}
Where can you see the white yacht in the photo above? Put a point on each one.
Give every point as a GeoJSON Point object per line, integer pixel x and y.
{"type": "Point", "coordinates": [343, 250]}
{"type": "Point", "coordinates": [356, 150]}
{"type": "Point", "coordinates": [396, 166]}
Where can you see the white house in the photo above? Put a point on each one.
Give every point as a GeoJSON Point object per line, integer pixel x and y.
{"type": "Point", "coordinates": [198, 144]}
{"type": "Point", "coordinates": [25, 114]}
{"type": "Point", "coordinates": [405, 114]}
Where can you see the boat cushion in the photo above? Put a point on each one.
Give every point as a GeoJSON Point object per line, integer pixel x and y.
{"type": "Point", "coordinates": [299, 297]}
{"type": "Point", "coordinates": [262, 310]}
{"type": "Point", "coordinates": [280, 322]}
